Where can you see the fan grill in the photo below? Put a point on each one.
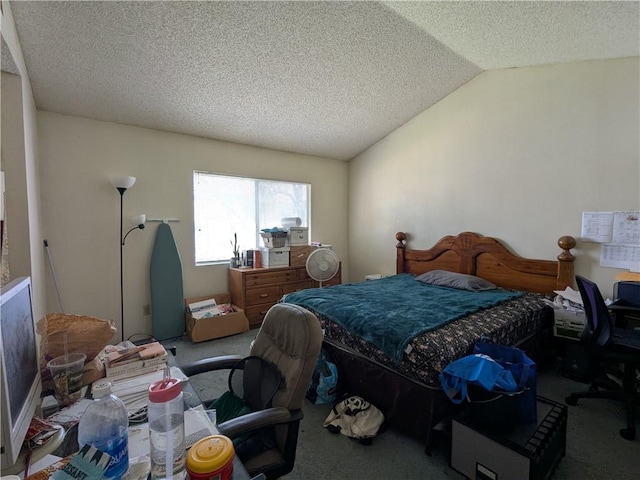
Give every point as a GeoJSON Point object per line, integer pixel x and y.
{"type": "Point", "coordinates": [322, 264]}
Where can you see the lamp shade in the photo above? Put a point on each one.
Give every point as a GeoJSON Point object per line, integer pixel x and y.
{"type": "Point", "coordinates": [139, 219]}
{"type": "Point", "coordinates": [122, 181]}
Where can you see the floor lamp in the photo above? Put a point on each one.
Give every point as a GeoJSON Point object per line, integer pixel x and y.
{"type": "Point", "coordinates": [122, 183]}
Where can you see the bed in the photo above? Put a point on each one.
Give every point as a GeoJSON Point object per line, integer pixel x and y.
{"type": "Point", "coordinates": [405, 385]}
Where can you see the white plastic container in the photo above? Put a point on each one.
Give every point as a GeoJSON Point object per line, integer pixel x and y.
{"type": "Point", "coordinates": [274, 257]}
{"type": "Point", "coordinates": [104, 425]}
{"type": "Point", "coordinates": [298, 236]}
{"type": "Point", "coordinates": [166, 429]}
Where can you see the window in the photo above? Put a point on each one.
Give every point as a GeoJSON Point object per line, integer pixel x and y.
{"type": "Point", "coordinates": [224, 205]}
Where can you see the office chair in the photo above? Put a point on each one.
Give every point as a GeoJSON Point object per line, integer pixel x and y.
{"type": "Point", "coordinates": [289, 339]}
{"type": "Point", "coordinates": [604, 343]}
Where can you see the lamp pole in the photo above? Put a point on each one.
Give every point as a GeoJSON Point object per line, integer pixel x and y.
{"type": "Point", "coordinates": [120, 241]}
{"type": "Point", "coordinates": [122, 183]}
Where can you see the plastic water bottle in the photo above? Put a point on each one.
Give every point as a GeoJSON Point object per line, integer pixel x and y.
{"type": "Point", "coordinates": [166, 429]}
{"type": "Point", "coordinates": [104, 426]}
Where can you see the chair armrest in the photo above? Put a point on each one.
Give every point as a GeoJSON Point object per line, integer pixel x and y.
{"type": "Point", "coordinates": [223, 362]}
{"type": "Point", "coordinates": [255, 420]}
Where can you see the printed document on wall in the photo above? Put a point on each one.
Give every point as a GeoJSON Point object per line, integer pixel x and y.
{"type": "Point", "coordinates": [597, 227]}
{"type": "Point", "coordinates": [626, 228]}
{"type": "Point", "coordinates": [619, 234]}
{"type": "Point", "coordinates": [618, 255]}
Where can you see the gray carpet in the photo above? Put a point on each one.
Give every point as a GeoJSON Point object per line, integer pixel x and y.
{"type": "Point", "coordinates": [594, 448]}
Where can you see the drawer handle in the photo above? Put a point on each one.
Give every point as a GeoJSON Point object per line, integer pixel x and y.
{"type": "Point", "coordinates": [262, 295]}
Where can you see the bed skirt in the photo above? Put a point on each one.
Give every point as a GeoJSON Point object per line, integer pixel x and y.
{"type": "Point", "coordinates": [409, 406]}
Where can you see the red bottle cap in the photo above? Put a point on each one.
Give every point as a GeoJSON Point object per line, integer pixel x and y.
{"type": "Point", "coordinates": [164, 390]}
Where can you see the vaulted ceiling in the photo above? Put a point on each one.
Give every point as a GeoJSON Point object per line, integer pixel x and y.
{"type": "Point", "coordinates": [323, 78]}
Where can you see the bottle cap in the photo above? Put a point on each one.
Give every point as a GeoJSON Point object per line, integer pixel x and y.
{"type": "Point", "coordinates": [210, 454]}
{"type": "Point", "coordinates": [100, 389]}
{"type": "Point", "coordinates": [164, 390]}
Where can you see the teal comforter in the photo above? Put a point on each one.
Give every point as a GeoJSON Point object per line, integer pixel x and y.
{"type": "Point", "coordinates": [391, 311]}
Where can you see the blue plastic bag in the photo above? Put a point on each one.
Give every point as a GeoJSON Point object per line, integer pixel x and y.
{"type": "Point", "coordinates": [324, 382]}
{"type": "Point", "coordinates": [475, 369]}
{"type": "Point", "coordinates": [524, 371]}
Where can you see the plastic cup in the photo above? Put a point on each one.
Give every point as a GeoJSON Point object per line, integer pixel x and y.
{"type": "Point", "coordinates": [66, 371]}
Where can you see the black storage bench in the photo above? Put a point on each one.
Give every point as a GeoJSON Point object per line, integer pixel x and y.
{"type": "Point", "coordinates": [526, 452]}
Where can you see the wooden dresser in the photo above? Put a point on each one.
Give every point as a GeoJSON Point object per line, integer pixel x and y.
{"type": "Point", "coordinates": [255, 290]}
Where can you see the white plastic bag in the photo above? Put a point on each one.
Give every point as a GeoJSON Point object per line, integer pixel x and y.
{"type": "Point", "coordinates": [355, 417]}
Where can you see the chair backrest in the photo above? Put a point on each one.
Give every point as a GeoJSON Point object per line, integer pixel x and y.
{"type": "Point", "coordinates": [290, 338]}
{"type": "Point", "coordinates": [255, 380]}
{"type": "Point", "coordinates": [599, 323]}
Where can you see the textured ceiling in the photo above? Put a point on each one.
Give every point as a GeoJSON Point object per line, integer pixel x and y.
{"type": "Point", "coordinates": [321, 78]}
{"type": "Point", "coordinates": [7, 62]}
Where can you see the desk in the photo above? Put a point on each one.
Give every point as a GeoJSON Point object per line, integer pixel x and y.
{"type": "Point", "coordinates": [70, 444]}
{"type": "Point", "coordinates": [47, 449]}
{"type": "Point", "coordinates": [626, 316]}
{"type": "Point", "coordinates": [191, 401]}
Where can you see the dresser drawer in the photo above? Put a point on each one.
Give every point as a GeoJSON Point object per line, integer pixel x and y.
{"type": "Point", "coordinates": [294, 287]}
{"type": "Point", "coordinates": [256, 314]}
{"type": "Point", "coordinates": [256, 290]}
{"type": "Point", "coordinates": [303, 275]}
{"type": "Point", "coordinates": [258, 296]}
{"type": "Point", "coordinates": [271, 277]}
{"type": "Point", "coordinates": [336, 280]}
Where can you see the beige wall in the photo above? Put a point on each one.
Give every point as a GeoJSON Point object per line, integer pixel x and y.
{"type": "Point", "coordinates": [517, 154]}
{"type": "Point", "coordinates": [82, 208]}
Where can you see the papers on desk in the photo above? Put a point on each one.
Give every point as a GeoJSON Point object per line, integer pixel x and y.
{"type": "Point", "coordinates": [70, 415]}
{"type": "Point", "coordinates": [134, 391]}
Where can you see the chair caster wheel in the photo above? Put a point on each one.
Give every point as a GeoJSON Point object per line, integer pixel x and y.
{"type": "Point", "coordinates": [571, 401]}
{"type": "Point", "coordinates": [628, 433]}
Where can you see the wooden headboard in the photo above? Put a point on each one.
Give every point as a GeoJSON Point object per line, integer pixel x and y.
{"type": "Point", "coordinates": [487, 258]}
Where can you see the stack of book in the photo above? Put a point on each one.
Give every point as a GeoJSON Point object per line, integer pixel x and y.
{"type": "Point", "coordinates": [137, 360]}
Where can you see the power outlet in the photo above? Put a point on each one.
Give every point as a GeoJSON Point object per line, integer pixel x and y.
{"type": "Point", "coordinates": [146, 309]}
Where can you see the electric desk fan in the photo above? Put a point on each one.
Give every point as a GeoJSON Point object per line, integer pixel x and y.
{"type": "Point", "coordinates": [322, 265]}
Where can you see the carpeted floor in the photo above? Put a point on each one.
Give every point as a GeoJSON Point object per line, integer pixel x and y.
{"type": "Point", "coordinates": [594, 448]}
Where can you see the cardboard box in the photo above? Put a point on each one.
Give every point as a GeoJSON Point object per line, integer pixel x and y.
{"type": "Point", "coordinates": [299, 254]}
{"type": "Point", "coordinates": [568, 323]}
{"type": "Point", "coordinates": [274, 257]}
{"type": "Point", "coordinates": [215, 327]}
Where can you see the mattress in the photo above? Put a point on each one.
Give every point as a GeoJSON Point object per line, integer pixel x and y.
{"type": "Point", "coordinates": [427, 354]}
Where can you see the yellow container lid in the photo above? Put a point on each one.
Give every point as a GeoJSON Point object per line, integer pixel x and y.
{"type": "Point", "coordinates": [210, 454]}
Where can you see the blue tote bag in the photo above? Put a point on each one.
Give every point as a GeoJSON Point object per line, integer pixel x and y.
{"type": "Point", "coordinates": [525, 374]}
{"type": "Point", "coordinates": [477, 369]}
